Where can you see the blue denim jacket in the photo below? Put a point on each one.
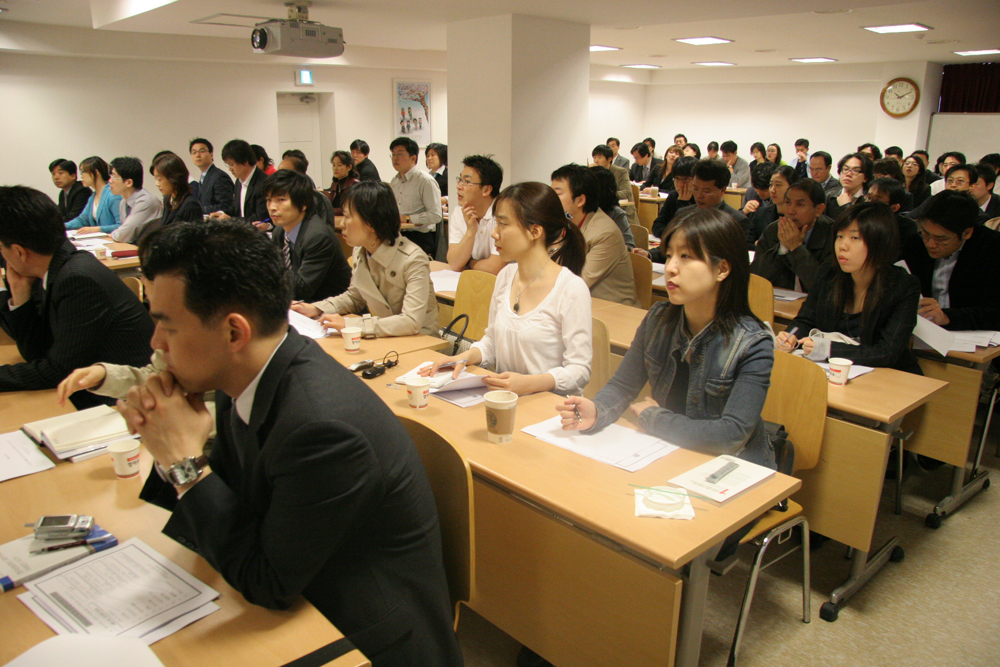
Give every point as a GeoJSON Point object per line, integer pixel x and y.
{"type": "Point", "coordinates": [727, 387]}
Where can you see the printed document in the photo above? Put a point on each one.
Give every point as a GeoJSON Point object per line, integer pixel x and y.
{"type": "Point", "coordinates": [619, 446]}
{"type": "Point", "coordinates": [20, 456]}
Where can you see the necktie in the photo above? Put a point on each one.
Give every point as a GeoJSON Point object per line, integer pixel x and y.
{"type": "Point", "coordinates": [288, 253]}
{"type": "Point", "coordinates": [128, 210]}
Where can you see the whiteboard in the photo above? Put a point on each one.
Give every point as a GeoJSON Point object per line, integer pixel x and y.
{"type": "Point", "coordinates": [974, 134]}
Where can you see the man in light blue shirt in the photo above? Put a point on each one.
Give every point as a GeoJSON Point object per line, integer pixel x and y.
{"type": "Point", "coordinates": [137, 207]}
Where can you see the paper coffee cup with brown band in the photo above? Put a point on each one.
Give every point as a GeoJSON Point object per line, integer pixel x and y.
{"type": "Point", "coordinates": [500, 406]}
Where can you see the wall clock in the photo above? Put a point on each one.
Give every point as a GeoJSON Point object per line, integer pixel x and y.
{"type": "Point", "coordinates": [899, 97]}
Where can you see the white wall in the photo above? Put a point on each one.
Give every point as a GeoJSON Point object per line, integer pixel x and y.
{"type": "Point", "coordinates": [617, 109]}
{"type": "Point", "coordinates": [974, 134]}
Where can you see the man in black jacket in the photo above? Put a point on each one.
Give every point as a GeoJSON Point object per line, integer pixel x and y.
{"type": "Point", "coordinates": [248, 200]}
{"type": "Point", "coordinates": [313, 487]}
{"type": "Point", "coordinates": [645, 164]}
{"type": "Point", "coordinates": [73, 195]}
{"type": "Point", "coordinates": [64, 309]}
{"type": "Point", "coordinates": [215, 188]}
{"type": "Point", "coordinates": [366, 170]}
{"type": "Point", "coordinates": [955, 260]}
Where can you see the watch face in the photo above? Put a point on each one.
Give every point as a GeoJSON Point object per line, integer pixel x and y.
{"type": "Point", "coordinates": [899, 97]}
{"type": "Point", "coordinates": [183, 472]}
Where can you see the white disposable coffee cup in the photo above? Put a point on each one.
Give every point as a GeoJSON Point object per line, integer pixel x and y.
{"type": "Point", "coordinates": [100, 252]}
{"type": "Point", "coordinates": [654, 191]}
{"type": "Point", "coordinates": [840, 369]}
{"type": "Point", "coordinates": [418, 391]}
{"type": "Point", "coordinates": [500, 406]}
{"type": "Point", "coordinates": [352, 338]}
{"type": "Point", "coordinates": [125, 457]}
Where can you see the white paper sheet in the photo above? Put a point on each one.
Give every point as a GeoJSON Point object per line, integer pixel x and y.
{"type": "Point", "coordinates": [445, 281]}
{"type": "Point", "coordinates": [442, 380]}
{"type": "Point", "coordinates": [616, 445]}
{"type": "Point", "coordinates": [128, 591]}
{"type": "Point", "coordinates": [788, 294]}
{"type": "Point", "coordinates": [19, 456]}
{"type": "Point", "coordinates": [463, 398]}
{"type": "Point", "coordinates": [660, 280]}
{"type": "Point", "coordinates": [75, 235]}
{"type": "Point", "coordinates": [87, 651]}
{"type": "Point", "coordinates": [739, 480]}
{"type": "Point", "coordinates": [305, 325]}
{"type": "Point", "coordinates": [659, 268]}
{"type": "Point", "coordinates": [938, 338]}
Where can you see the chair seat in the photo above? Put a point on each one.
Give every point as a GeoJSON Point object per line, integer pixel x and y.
{"type": "Point", "coordinates": [770, 520]}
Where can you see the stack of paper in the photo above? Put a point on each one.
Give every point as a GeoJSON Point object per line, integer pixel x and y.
{"type": "Point", "coordinates": [445, 281]}
{"type": "Point", "coordinates": [86, 651]}
{"type": "Point", "coordinates": [788, 294]}
{"type": "Point", "coordinates": [78, 433]}
{"type": "Point", "coordinates": [20, 456]}
{"type": "Point", "coordinates": [739, 480]}
{"type": "Point", "coordinates": [23, 560]}
{"type": "Point", "coordinates": [616, 445]}
{"type": "Point", "coordinates": [464, 391]}
{"type": "Point", "coordinates": [306, 326]}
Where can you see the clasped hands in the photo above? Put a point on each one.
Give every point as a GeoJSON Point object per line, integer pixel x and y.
{"type": "Point", "coordinates": [789, 234]}
{"type": "Point", "coordinates": [579, 413]}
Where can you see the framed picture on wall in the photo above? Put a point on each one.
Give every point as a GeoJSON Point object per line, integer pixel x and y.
{"type": "Point", "coordinates": [411, 111]}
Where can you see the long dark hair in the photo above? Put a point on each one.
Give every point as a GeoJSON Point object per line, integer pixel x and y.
{"type": "Point", "coordinates": [538, 204]}
{"type": "Point", "coordinates": [879, 230]}
{"type": "Point", "coordinates": [664, 169]}
{"type": "Point", "coordinates": [713, 236]}
{"type": "Point", "coordinates": [174, 170]}
{"type": "Point", "coordinates": [919, 181]}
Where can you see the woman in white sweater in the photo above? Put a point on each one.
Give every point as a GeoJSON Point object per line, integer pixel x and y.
{"type": "Point", "coordinates": [539, 332]}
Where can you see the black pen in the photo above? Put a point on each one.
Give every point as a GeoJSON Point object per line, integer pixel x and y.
{"type": "Point", "coordinates": [68, 545]}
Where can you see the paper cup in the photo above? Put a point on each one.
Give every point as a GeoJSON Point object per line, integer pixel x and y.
{"type": "Point", "coordinates": [500, 407]}
{"type": "Point", "coordinates": [654, 191]}
{"type": "Point", "coordinates": [352, 338]}
{"type": "Point", "coordinates": [101, 252]}
{"type": "Point", "coordinates": [125, 457]}
{"type": "Point", "coordinates": [418, 391]}
{"type": "Point", "coordinates": [840, 369]}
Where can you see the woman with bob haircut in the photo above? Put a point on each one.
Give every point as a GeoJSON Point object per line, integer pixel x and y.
{"type": "Point", "coordinates": [705, 355]}
{"type": "Point", "coordinates": [179, 202]}
{"type": "Point", "coordinates": [915, 173]}
{"type": "Point", "coordinates": [392, 276]}
{"type": "Point", "coordinates": [344, 176]}
{"type": "Point", "coordinates": [865, 297]}
{"type": "Point", "coordinates": [101, 214]}
{"type": "Point", "coordinates": [539, 332]}
{"type": "Point", "coordinates": [759, 153]}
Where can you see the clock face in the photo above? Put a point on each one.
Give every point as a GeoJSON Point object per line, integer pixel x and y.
{"type": "Point", "coordinates": [900, 97]}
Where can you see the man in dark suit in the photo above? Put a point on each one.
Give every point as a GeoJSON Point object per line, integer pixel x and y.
{"type": "Point", "coordinates": [322, 205]}
{"type": "Point", "coordinates": [215, 189]}
{"type": "Point", "coordinates": [248, 200]}
{"type": "Point", "coordinates": [366, 170]}
{"type": "Point", "coordinates": [310, 246]}
{"type": "Point", "coordinates": [313, 488]}
{"type": "Point", "coordinates": [63, 308]}
{"type": "Point", "coordinates": [645, 163]}
{"type": "Point", "coordinates": [73, 195]}
{"type": "Point", "coordinates": [955, 260]}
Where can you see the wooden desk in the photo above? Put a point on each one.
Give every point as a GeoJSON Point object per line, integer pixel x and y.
{"type": "Point", "coordinates": [124, 263]}
{"type": "Point", "coordinates": [561, 558]}
{"type": "Point", "coordinates": [786, 311]}
{"type": "Point", "coordinates": [377, 348]}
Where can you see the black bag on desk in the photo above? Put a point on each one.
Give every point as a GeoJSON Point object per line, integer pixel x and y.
{"type": "Point", "coordinates": [459, 342]}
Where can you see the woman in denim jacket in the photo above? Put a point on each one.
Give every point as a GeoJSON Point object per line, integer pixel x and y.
{"type": "Point", "coordinates": [707, 358]}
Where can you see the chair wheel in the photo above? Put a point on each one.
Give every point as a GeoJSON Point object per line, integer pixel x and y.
{"type": "Point", "coordinates": [828, 612]}
{"type": "Point", "coordinates": [897, 554]}
{"type": "Point", "coordinates": [986, 483]}
{"type": "Point", "coordinates": [933, 521]}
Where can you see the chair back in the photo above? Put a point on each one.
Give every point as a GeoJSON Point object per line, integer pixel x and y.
{"type": "Point", "coordinates": [641, 235]}
{"type": "Point", "coordinates": [797, 399]}
{"type": "Point", "coordinates": [635, 195]}
{"type": "Point", "coordinates": [600, 367]}
{"type": "Point", "coordinates": [642, 271]}
{"type": "Point", "coordinates": [135, 285]}
{"type": "Point", "coordinates": [451, 481]}
{"type": "Point", "coordinates": [762, 298]}
{"type": "Point", "coordinates": [472, 298]}
{"type": "Point", "coordinates": [647, 213]}
{"type": "Point", "coordinates": [734, 198]}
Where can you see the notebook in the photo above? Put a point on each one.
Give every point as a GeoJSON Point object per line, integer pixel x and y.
{"type": "Point", "coordinates": [69, 435]}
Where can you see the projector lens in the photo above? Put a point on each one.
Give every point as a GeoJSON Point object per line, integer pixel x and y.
{"type": "Point", "coordinates": [258, 39]}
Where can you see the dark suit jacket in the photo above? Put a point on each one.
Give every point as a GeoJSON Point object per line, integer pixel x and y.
{"type": "Point", "coordinates": [255, 208]}
{"type": "Point", "coordinates": [805, 261]}
{"type": "Point", "coordinates": [188, 211]}
{"type": "Point", "coordinates": [85, 315]}
{"type": "Point", "coordinates": [992, 210]}
{"type": "Point", "coordinates": [993, 207]}
{"type": "Point", "coordinates": [974, 291]}
{"type": "Point", "coordinates": [442, 181]}
{"type": "Point", "coordinates": [71, 203]}
{"type": "Point", "coordinates": [367, 171]}
{"type": "Point", "coordinates": [216, 192]}
{"type": "Point", "coordinates": [322, 495]}
{"type": "Point", "coordinates": [319, 268]}
{"type": "Point", "coordinates": [635, 172]}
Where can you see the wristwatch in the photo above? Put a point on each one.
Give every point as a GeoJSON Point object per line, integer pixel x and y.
{"type": "Point", "coordinates": [367, 326]}
{"type": "Point", "coordinates": [186, 470]}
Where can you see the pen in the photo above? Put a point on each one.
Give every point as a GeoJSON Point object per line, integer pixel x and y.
{"type": "Point", "coordinates": [576, 411]}
{"type": "Point", "coordinates": [78, 543]}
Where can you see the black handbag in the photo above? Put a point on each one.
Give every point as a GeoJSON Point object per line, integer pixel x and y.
{"type": "Point", "coordinates": [459, 343]}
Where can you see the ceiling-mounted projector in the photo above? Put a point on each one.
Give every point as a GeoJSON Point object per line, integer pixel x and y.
{"type": "Point", "coordinates": [306, 39]}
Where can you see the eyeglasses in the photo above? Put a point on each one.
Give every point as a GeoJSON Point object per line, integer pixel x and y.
{"type": "Point", "coordinates": [957, 182]}
{"type": "Point", "coordinates": [464, 183]}
{"type": "Point", "coordinates": [936, 240]}
{"type": "Point", "coordinates": [910, 163]}
{"type": "Point", "coordinates": [199, 151]}
{"type": "Point", "coordinates": [852, 170]}
{"type": "Point", "coordinates": [114, 177]}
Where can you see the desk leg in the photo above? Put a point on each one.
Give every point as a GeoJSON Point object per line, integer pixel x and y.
{"type": "Point", "coordinates": [692, 617]}
{"type": "Point", "coordinates": [862, 569]}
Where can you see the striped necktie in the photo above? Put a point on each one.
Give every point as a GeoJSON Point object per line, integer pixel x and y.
{"type": "Point", "coordinates": [288, 253]}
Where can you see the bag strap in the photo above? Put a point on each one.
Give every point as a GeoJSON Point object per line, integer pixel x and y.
{"type": "Point", "coordinates": [450, 329]}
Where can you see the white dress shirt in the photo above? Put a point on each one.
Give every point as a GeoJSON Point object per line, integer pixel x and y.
{"type": "Point", "coordinates": [483, 246]}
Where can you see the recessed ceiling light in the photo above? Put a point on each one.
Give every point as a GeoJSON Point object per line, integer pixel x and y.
{"type": "Point", "coordinates": [715, 64]}
{"type": "Point", "coordinates": [630, 27]}
{"type": "Point", "coordinates": [833, 11]}
{"type": "Point", "coordinates": [703, 41]}
{"type": "Point", "coordinates": [905, 27]}
{"type": "Point", "coordinates": [657, 55]}
{"type": "Point", "coordinates": [642, 66]}
{"type": "Point", "coordinates": [941, 41]}
{"type": "Point", "coordinates": [598, 47]}
{"type": "Point", "coordinates": [764, 50]}
{"type": "Point", "coordinates": [813, 60]}
{"type": "Point", "coordinates": [985, 52]}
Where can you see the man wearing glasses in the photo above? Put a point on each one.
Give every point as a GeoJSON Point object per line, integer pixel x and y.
{"type": "Point", "coordinates": [954, 258]}
{"type": "Point", "coordinates": [215, 188]}
{"type": "Point", "coordinates": [470, 228]}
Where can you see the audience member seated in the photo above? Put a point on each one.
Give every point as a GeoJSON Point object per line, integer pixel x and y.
{"type": "Point", "coordinates": [607, 201]}
{"type": "Point", "coordinates": [801, 161]}
{"type": "Point", "coordinates": [706, 357]}
{"type": "Point", "coordinates": [263, 161]}
{"type": "Point", "coordinates": [645, 164]}
{"type": "Point", "coordinates": [945, 162]}
{"type": "Point", "coordinates": [682, 195]}
{"type": "Point", "coordinates": [819, 169]}
{"type": "Point", "coordinates": [539, 332]}
{"type": "Point", "coordinates": [322, 207]}
{"type": "Point", "coordinates": [248, 200]}
{"type": "Point", "coordinates": [73, 195]}
{"type": "Point", "coordinates": [890, 192]}
{"type": "Point", "coordinates": [603, 157]}
{"type": "Point", "coordinates": [618, 160]}
{"type": "Point", "coordinates": [916, 182]}
{"type": "Point", "coordinates": [865, 297]}
{"type": "Point", "coordinates": [608, 269]}
{"type": "Point", "coordinates": [417, 195]}
{"type": "Point", "coordinates": [64, 309]}
{"type": "Point", "coordinates": [437, 164]}
{"type": "Point", "coordinates": [663, 178]}
{"type": "Point", "coordinates": [470, 225]}
{"type": "Point", "coordinates": [137, 208]}
{"type": "Point", "coordinates": [792, 249]}
{"type": "Point", "coordinates": [759, 154]}
{"type": "Point", "coordinates": [962, 178]}
{"type": "Point", "coordinates": [215, 188]}
{"type": "Point", "coordinates": [982, 191]}
{"type": "Point", "coordinates": [739, 167]}
{"type": "Point", "coordinates": [367, 171]}
{"type": "Point", "coordinates": [309, 245]}
{"type": "Point", "coordinates": [871, 150]}
{"type": "Point", "coordinates": [179, 203]}
{"type": "Point", "coordinates": [954, 258]}
{"type": "Point", "coordinates": [774, 154]}
{"type": "Point", "coordinates": [929, 174]}
{"type": "Point", "coordinates": [855, 170]}
{"type": "Point", "coordinates": [101, 212]}
{"type": "Point", "coordinates": [651, 144]}
{"type": "Point", "coordinates": [344, 176]}
{"type": "Point", "coordinates": [680, 140]}
{"type": "Point", "coordinates": [896, 153]}
{"type": "Point", "coordinates": [992, 159]}
{"type": "Point", "coordinates": [391, 280]}
{"type": "Point", "coordinates": [713, 150]}
{"type": "Point", "coordinates": [312, 488]}
{"type": "Point", "coordinates": [692, 150]}
{"type": "Point", "coordinates": [781, 178]}
{"type": "Point", "coordinates": [888, 168]}
{"type": "Point", "coordinates": [758, 199]}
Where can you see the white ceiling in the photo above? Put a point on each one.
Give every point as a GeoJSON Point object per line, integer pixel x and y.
{"type": "Point", "coordinates": [765, 32]}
